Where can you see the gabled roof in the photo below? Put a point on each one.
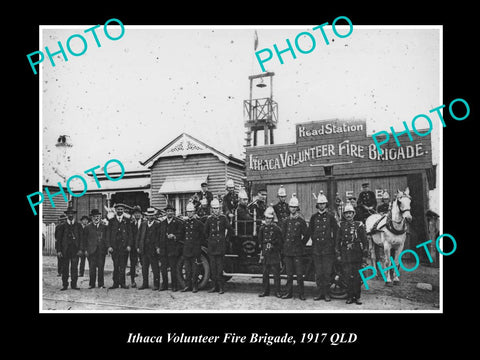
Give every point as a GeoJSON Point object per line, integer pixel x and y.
{"type": "Point", "coordinates": [185, 145]}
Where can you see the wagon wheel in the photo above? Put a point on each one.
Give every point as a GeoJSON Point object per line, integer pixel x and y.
{"type": "Point", "coordinates": [203, 273]}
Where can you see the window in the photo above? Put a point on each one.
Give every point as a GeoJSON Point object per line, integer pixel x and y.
{"type": "Point", "coordinates": [179, 202]}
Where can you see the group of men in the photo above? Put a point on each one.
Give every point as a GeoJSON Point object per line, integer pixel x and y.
{"type": "Point", "coordinates": [157, 243]}
{"type": "Point", "coordinates": [285, 240]}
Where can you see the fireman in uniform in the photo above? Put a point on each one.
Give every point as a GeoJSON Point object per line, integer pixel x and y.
{"type": "Point", "coordinates": [270, 238]}
{"type": "Point", "coordinates": [229, 201]}
{"type": "Point", "coordinates": [245, 223]}
{"type": "Point", "coordinates": [281, 207]}
{"type": "Point", "coordinates": [192, 248]}
{"type": "Point", "coordinates": [323, 230]}
{"type": "Point", "coordinates": [295, 232]}
{"type": "Point", "coordinates": [385, 205]}
{"type": "Point", "coordinates": [203, 210]}
{"type": "Point", "coordinates": [351, 248]}
{"type": "Point", "coordinates": [367, 202]}
{"type": "Point", "coordinates": [217, 228]}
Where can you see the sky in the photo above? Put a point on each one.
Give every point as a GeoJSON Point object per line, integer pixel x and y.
{"type": "Point", "coordinates": [128, 98]}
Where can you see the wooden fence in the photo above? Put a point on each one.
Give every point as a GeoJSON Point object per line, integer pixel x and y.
{"type": "Point", "coordinates": [48, 239]}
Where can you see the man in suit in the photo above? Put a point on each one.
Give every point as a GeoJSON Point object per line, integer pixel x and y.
{"type": "Point", "coordinates": [323, 230]}
{"type": "Point", "coordinates": [70, 247]}
{"type": "Point", "coordinates": [217, 229]}
{"type": "Point", "coordinates": [192, 248]}
{"type": "Point", "coordinates": [172, 232]}
{"type": "Point", "coordinates": [135, 222]}
{"type": "Point", "coordinates": [295, 232]}
{"type": "Point", "coordinates": [84, 220]}
{"type": "Point", "coordinates": [95, 245]}
{"type": "Point", "coordinates": [148, 247]}
{"type": "Point", "coordinates": [58, 231]}
{"type": "Point", "coordinates": [120, 242]}
{"type": "Point", "coordinates": [270, 238]}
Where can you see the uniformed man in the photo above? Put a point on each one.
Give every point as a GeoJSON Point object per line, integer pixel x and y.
{"type": "Point", "coordinates": [270, 238]}
{"type": "Point", "coordinates": [95, 239]}
{"type": "Point", "coordinates": [217, 229]}
{"type": "Point", "coordinates": [194, 235]}
{"type": "Point", "coordinates": [351, 249]}
{"type": "Point", "coordinates": [70, 247]}
{"type": "Point", "coordinates": [245, 223]}
{"type": "Point", "coordinates": [229, 201]}
{"type": "Point", "coordinates": [259, 204]}
{"type": "Point", "coordinates": [58, 233]}
{"type": "Point", "coordinates": [135, 222]}
{"type": "Point", "coordinates": [281, 207]}
{"type": "Point", "coordinates": [84, 220]}
{"type": "Point", "coordinates": [295, 232]}
{"type": "Point", "coordinates": [384, 207]}
{"type": "Point", "coordinates": [120, 242]}
{"type": "Point", "coordinates": [367, 202]}
{"type": "Point", "coordinates": [203, 210]}
{"type": "Point", "coordinates": [323, 231]}
{"type": "Point", "coordinates": [148, 247]}
{"type": "Point", "coordinates": [172, 232]}
{"type": "Point", "coordinates": [205, 194]}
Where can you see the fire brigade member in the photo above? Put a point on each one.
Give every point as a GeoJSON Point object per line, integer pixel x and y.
{"type": "Point", "coordinates": [217, 228]}
{"type": "Point", "coordinates": [295, 232]}
{"type": "Point", "coordinates": [230, 201]}
{"type": "Point", "coordinates": [281, 207]}
{"type": "Point", "coordinates": [270, 238]}
{"type": "Point", "coordinates": [259, 203]}
{"type": "Point", "coordinates": [172, 231]}
{"type": "Point", "coordinates": [245, 223]}
{"type": "Point", "coordinates": [351, 244]}
{"type": "Point", "coordinates": [194, 233]}
{"type": "Point", "coordinates": [323, 230]}
{"type": "Point", "coordinates": [70, 247]}
{"type": "Point", "coordinates": [385, 205]}
{"type": "Point", "coordinates": [148, 247]}
{"type": "Point", "coordinates": [367, 202]}
{"type": "Point", "coordinates": [203, 210]}
{"type": "Point", "coordinates": [205, 194]}
{"type": "Point", "coordinates": [95, 238]}
{"type": "Point", "coordinates": [120, 242]}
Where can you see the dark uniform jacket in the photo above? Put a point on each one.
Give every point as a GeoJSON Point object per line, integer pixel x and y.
{"type": "Point", "coordinates": [383, 208]}
{"type": "Point", "coordinates": [367, 198]}
{"type": "Point", "coordinates": [229, 203]}
{"type": "Point", "coordinates": [205, 195]}
{"type": "Point", "coordinates": [351, 243]}
{"type": "Point", "coordinates": [242, 213]}
{"type": "Point", "coordinates": [194, 235]}
{"type": "Point", "coordinates": [135, 228]}
{"type": "Point", "coordinates": [271, 241]}
{"type": "Point", "coordinates": [323, 231]}
{"type": "Point", "coordinates": [281, 211]}
{"type": "Point", "coordinates": [95, 238]}
{"type": "Point", "coordinates": [217, 228]}
{"type": "Point", "coordinates": [260, 208]}
{"type": "Point", "coordinates": [171, 247]}
{"type": "Point", "coordinates": [148, 237]}
{"type": "Point", "coordinates": [295, 234]}
{"type": "Point", "coordinates": [70, 239]}
{"type": "Point", "coordinates": [58, 235]}
{"type": "Point", "coordinates": [119, 234]}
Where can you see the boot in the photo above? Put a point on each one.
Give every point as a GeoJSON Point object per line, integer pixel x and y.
{"type": "Point", "coordinates": [287, 295]}
{"type": "Point", "coordinates": [195, 287]}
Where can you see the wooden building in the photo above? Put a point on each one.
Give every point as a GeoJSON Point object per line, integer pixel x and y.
{"type": "Point", "coordinates": [178, 169]}
{"type": "Point", "coordinates": [337, 156]}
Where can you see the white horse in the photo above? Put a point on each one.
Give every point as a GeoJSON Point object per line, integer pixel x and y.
{"type": "Point", "coordinates": [389, 231]}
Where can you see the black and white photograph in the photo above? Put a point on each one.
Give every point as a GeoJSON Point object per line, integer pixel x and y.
{"type": "Point", "coordinates": [264, 184]}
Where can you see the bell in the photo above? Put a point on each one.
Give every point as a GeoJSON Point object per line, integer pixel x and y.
{"type": "Point", "coordinates": [261, 84]}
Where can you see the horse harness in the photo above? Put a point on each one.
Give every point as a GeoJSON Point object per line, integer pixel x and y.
{"type": "Point", "coordinates": [389, 222]}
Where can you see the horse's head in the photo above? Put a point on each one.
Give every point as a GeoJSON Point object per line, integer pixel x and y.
{"type": "Point", "coordinates": [403, 201]}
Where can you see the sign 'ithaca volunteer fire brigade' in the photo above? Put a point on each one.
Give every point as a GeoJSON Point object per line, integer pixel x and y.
{"type": "Point", "coordinates": [341, 144]}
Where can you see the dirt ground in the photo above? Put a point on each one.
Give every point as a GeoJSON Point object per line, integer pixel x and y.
{"type": "Point", "coordinates": [241, 294]}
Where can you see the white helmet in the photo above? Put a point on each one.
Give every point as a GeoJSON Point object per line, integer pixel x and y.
{"type": "Point", "coordinates": [190, 207]}
{"type": "Point", "coordinates": [230, 183]}
{"type": "Point", "coordinates": [269, 212]}
{"type": "Point", "coordinates": [385, 195]}
{"type": "Point", "coordinates": [321, 198]}
{"type": "Point", "coordinates": [293, 200]}
{"type": "Point", "coordinates": [242, 194]}
{"type": "Point", "coordinates": [282, 191]}
{"type": "Point", "coordinates": [348, 207]}
{"type": "Point", "coordinates": [204, 201]}
{"type": "Point", "coordinates": [215, 203]}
